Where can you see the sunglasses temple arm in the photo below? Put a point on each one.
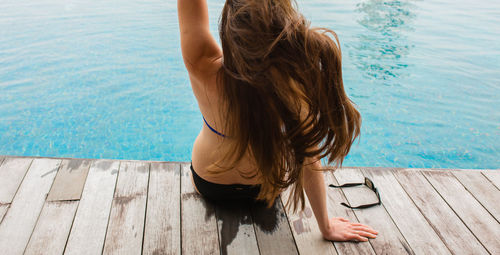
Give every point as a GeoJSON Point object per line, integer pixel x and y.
{"type": "Point", "coordinates": [345, 185]}
{"type": "Point", "coordinates": [346, 205]}
{"type": "Point", "coordinates": [361, 206]}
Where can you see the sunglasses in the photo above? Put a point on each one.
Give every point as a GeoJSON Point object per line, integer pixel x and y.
{"type": "Point", "coordinates": [369, 184]}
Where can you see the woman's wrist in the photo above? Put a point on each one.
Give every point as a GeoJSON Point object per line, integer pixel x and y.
{"type": "Point", "coordinates": [325, 227]}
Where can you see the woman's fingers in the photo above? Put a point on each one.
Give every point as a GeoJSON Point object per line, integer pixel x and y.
{"type": "Point", "coordinates": [364, 233]}
{"type": "Point", "coordinates": [366, 229]}
{"type": "Point", "coordinates": [356, 237]}
{"type": "Point", "coordinates": [342, 219]}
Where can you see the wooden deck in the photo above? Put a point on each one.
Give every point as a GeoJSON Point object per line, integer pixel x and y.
{"type": "Point", "coordinates": [85, 206]}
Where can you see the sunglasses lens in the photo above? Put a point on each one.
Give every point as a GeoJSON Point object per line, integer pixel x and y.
{"type": "Point", "coordinates": [371, 186]}
{"type": "Point", "coordinates": [369, 183]}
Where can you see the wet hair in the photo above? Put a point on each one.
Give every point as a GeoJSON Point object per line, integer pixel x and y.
{"type": "Point", "coordinates": [283, 97]}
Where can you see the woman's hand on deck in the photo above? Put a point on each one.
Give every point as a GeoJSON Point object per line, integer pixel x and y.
{"type": "Point", "coordinates": [343, 230]}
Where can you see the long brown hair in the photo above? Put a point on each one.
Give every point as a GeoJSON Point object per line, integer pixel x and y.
{"type": "Point", "coordinates": [281, 84]}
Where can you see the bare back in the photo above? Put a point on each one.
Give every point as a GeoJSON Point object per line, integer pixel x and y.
{"type": "Point", "coordinates": [205, 148]}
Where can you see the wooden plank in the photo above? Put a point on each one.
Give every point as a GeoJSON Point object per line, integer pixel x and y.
{"type": "Point", "coordinates": [271, 228]}
{"type": "Point", "coordinates": [3, 207]}
{"type": "Point", "coordinates": [440, 216]}
{"type": "Point", "coordinates": [475, 216]}
{"type": "Point", "coordinates": [12, 172]}
{"type": "Point", "coordinates": [70, 180]}
{"type": "Point", "coordinates": [21, 218]}
{"type": "Point", "coordinates": [334, 197]}
{"type": "Point", "coordinates": [89, 227]}
{"type": "Point", "coordinates": [162, 234]}
{"type": "Point", "coordinates": [199, 226]}
{"type": "Point", "coordinates": [236, 231]}
{"type": "Point", "coordinates": [52, 229]}
{"type": "Point", "coordinates": [493, 176]}
{"type": "Point", "coordinates": [3, 211]}
{"type": "Point", "coordinates": [305, 230]}
{"type": "Point", "coordinates": [126, 221]}
{"type": "Point", "coordinates": [482, 189]}
{"type": "Point", "coordinates": [389, 239]}
{"type": "Point", "coordinates": [413, 225]}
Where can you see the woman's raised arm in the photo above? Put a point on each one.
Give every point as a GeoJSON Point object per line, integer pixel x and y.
{"type": "Point", "coordinates": [199, 48]}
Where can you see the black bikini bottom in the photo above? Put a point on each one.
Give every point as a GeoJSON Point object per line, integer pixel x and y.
{"type": "Point", "coordinates": [223, 192]}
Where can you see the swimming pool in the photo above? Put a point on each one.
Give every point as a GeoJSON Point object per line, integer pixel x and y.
{"type": "Point", "coordinates": [105, 79]}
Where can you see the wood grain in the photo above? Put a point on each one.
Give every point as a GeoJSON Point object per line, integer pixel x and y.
{"type": "Point", "coordinates": [334, 198]}
{"type": "Point", "coordinates": [52, 229]}
{"type": "Point", "coordinates": [12, 172]}
{"type": "Point", "coordinates": [413, 225]}
{"type": "Point", "coordinates": [305, 230]}
{"type": "Point", "coordinates": [126, 220]}
{"type": "Point", "coordinates": [493, 176]}
{"type": "Point", "coordinates": [70, 179]}
{"type": "Point", "coordinates": [440, 216]}
{"type": "Point", "coordinates": [199, 226]}
{"type": "Point", "coordinates": [162, 234]}
{"type": "Point", "coordinates": [482, 189]}
{"type": "Point", "coordinates": [271, 228]}
{"type": "Point", "coordinates": [21, 218]}
{"type": "Point", "coordinates": [472, 213]}
{"type": "Point", "coordinates": [89, 227]}
{"type": "Point", "coordinates": [3, 211]}
{"type": "Point", "coordinates": [389, 239]}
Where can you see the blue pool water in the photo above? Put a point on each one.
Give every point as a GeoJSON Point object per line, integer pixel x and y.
{"type": "Point", "coordinates": [105, 79]}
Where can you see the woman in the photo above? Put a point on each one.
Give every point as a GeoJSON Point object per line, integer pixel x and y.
{"type": "Point", "coordinates": [273, 104]}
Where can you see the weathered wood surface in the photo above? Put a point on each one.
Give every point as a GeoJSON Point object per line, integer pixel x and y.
{"type": "Point", "coordinates": [71, 206]}
{"type": "Point", "coordinates": [162, 233]}
{"type": "Point", "coordinates": [389, 239]}
{"type": "Point", "coordinates": [272, 228]}
{"type": "Point", "coordinates": [126, 220]}
{"type": "Point", "coordinates": [482, 189]}
{"type": "Point", "coordinates": [52, 229]}
{"type": "Point", "coordinates": [493, 176]}
{"type": "Point", "coordinates": [12, 172]}
{"type": "Point", "coordinates": [440, 216]}
{"type": "Point", "coordinates": [472, 213]}
{"type": "Point", "coordinates": [21, 218]}
{"type": "Point", "coordinates": [305, 230]}
{"type": "Point", "coordinates": [3, 207]}
{"type": "Point", "coordinates": [3, 210]}
{"type": "Point", "coordinates": [70, 179]}
{"type": "Point", "coordinates": [413, 225]}
{"type": "Point", "coordinates": [91, 219]}
{"type": "Point", "coordinates": [199, 226]}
